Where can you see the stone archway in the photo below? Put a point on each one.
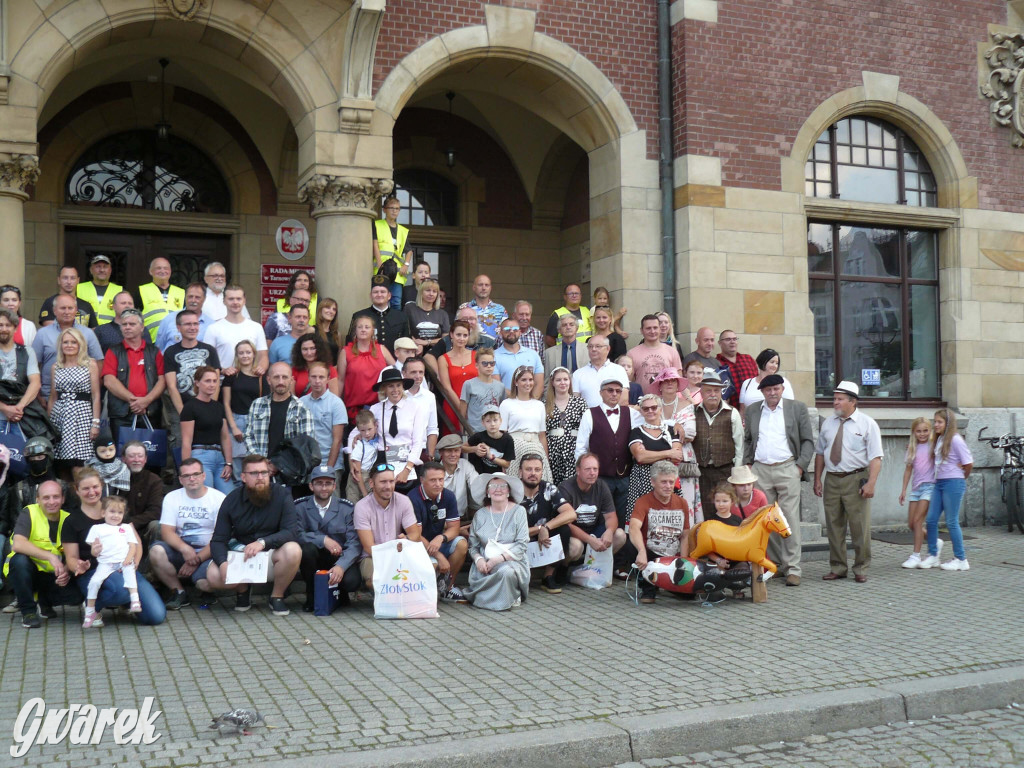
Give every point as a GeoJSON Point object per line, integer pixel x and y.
{"type": "Point", "coordinates": [560, 85]}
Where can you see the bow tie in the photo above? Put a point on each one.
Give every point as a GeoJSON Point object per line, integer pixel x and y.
{"type": "Point", "coordinates": [612, 411]}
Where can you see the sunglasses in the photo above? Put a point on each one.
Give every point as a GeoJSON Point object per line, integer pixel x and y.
{"type": "Point", "coordinates": [649, 408]}
{"type": "Point", "coordinates": [10, 288]}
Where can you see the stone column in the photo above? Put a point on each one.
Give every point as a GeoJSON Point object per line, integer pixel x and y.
{"type": "Point", "coordinates": [16, 173]}
{"type": "Point", "coordinates": [343, 208]}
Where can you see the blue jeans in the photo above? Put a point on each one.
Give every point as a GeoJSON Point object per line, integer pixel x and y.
{"type": "Point", "coordinates": [238, 449]}
{"type": "Point", "coordinates": [946, 498]}
{"type": "Point", "coordinates": [213, 463]}
{"type": "Point", "coordinates": [396, 295]}
{"type": "Point", "coordinates": [113, 593]}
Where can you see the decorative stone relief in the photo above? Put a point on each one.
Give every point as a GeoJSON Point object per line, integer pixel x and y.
{"type": "Point", "coordinates": [18, 172]}
{"type": "Point", "coordinates": [1005, 82]}
{"type": "Point", "coordinates": [343, 194]}
{"type": "Point", "coordinates": [355, 107]}
{"type": "Point", "coordinates": [185, 10]}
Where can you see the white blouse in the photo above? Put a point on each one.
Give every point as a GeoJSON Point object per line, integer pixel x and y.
{"type": "Point", "coordinates": [523, 415]}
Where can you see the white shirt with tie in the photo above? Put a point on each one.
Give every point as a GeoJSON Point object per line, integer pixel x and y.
{"type": "Point", "coordinates": [411, 439]}
{"type": "Point", "coordinates": [587, 424]}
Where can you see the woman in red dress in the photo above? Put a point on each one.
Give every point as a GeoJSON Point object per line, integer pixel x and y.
{"type": "Point", "coordinates": [456, 367]}
{"type": "Point", "coordinates": [359, 367]}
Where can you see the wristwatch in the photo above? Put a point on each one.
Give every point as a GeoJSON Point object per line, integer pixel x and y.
{"type": "Point", "coordinates": [262, 543]}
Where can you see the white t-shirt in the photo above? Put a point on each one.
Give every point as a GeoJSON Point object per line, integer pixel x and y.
{"type": "Point", "coordinates": [115, 540]}
{"type": "Point", "coordinates": [223, 336]}
{"type": "Point", "coordinates": [523, 415]}
{"type": "Point", "coordinates": [193, 519]}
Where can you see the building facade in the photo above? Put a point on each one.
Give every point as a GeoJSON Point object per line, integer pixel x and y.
{"type": "Point", "coordinates": [845, 174]}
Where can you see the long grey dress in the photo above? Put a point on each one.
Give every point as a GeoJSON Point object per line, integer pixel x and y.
{"type": "Point", "coordinates": [500, 588]}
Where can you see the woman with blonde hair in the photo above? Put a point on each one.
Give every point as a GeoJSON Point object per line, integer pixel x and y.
{"type": "Point", "coordinates": [74, 404]}
{"type": "Point", "coordinates": [427, 321]}
{"type": "Point", "coordinates": [238, 391]}
{"type": "Point", "coordinates": [920, 475]}
{"type": "Point", "coordinates": [668, 332]}
{"type": "Point", "coordinates": [564, 410]}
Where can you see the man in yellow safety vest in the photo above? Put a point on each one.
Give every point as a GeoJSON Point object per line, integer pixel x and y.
{"type": "Point", "coordinates": [159, 297]}
{"type": "Point", "coordinates": [389, 245]}
{"type": "Point", "coordinates": [99, 291]}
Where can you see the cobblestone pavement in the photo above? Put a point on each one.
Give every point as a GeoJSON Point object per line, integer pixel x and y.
{"type": "Point", "coordinates": [578, 657]}
{"type": "Point", "coordinates": [987, 739]}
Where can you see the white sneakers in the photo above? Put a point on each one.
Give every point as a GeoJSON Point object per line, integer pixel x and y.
{"type": "Point", "coordinates": [932, 560]}
{"type": "Point", "coordinates": [914, 561]}
{"type": "Point", "coordinates": [956, 565]}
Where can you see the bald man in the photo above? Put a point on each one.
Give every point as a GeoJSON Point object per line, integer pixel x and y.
{"type": "Point", "coordinates": [705, 351]}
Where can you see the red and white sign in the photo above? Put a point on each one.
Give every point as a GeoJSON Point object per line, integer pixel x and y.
{"type": "Point", "coordinates": [292, 239]}
{"type": "Point", "coordinates": [273, 283]}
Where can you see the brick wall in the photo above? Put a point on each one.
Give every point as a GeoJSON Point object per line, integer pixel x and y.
{"type": "Point", "coordinates": [752, 79]}
{"type": "Point", "coordinates": [618, 36]}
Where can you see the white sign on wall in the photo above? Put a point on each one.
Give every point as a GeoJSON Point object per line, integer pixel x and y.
{"type": "Point", "coordinates": [292, 239]}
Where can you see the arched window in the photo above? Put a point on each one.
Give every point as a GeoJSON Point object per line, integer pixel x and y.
{"type": "Point", "coordinates": [428, 200]}
{"type": "Point", "coordinates": [136, 169]}
{"type": "Point", "coordinates": [874, 287]}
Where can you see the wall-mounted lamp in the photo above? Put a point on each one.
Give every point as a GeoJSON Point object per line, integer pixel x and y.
{"type": "Point", "coordinates": [449, 154]}
{"type": "Point", "coordinates": [163, 128]}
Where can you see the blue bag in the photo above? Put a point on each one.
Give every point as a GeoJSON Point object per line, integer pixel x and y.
{"type": "Point", "coordinates": [14, 439]}
{"type": "Point", "coordinates": [325, 597]}
{"type": "Point", "coordinates": [155, 441]}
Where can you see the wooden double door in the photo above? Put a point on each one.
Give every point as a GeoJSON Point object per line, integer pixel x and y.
{"type": "Point", "coordinates": [131, 252]}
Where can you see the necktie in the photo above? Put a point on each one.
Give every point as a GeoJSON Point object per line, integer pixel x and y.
{"type": "Point", "coordinates": [393, 428]}
{"type": "Point", "coordinates": [836, 454]}
{"type": "Point", "coordinates": [565, 356]}
{"type": "Point", "coordinates": [612, 411]}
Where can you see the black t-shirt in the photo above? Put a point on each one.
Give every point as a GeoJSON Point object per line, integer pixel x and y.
{"type": "Point", "coordinates": [244, 389]}
{"type": "Point", "coordinates": [76, 531]}
{"type": "Point", "coordinates": [503, 446]}
{"type": "Point", "coordinates": [86, 316]}
{"type": "Point", "coordinates": [183, 363]}
{"type": "Point", "coordinates": [207, 419]}
{"type": "Point", "coordinates": [278, 416]}
{"type": "Point", "coordinates": [23, 526]}
{"type": "Point", "coordinates": [544, 506]}
{"type": "Point", "coordinates": [591, 506]}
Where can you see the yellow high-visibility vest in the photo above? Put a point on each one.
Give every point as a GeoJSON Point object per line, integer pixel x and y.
{"type": "Point", "coordinates": [39, 536]}
{"type": "Point", "coordinates": [104, 308]}
{"type": "Point", "coordinates": [155, 308]}
{"type": "Point", "coordinates": [585, 328]}
{"type": "Point", "coordinates": [391, 248]}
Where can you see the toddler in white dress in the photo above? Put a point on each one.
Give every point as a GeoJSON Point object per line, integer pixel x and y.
{"type": "Point", "coordinates": [114, 545]}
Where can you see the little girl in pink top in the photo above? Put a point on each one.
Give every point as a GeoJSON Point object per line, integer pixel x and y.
{"type": "Point", "coordinates": [920, 474]}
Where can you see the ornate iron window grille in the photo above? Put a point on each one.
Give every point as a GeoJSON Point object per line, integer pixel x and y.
{"type": "Point", "coordinates": [135, 169]}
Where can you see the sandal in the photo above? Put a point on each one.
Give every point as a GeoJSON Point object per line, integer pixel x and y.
{"type": "Point", "coordinates": [621, 575]}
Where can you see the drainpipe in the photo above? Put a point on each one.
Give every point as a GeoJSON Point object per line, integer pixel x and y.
{"type": "Point", "coordinates": [665, 144]}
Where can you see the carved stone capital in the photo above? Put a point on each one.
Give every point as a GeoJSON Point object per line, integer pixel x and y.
{"type": "Point", "coordinates": [17, 172]}
{"type": "Point", "coordinates": [185, 10]}
{"type": "Point", "coordinates": [1004, 86]}
{"type": "Point", "coordinates": [343, 194]}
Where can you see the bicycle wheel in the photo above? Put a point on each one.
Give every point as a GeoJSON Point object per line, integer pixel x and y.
{"type": "Point", "coordinates": [1007, 488]}
{"type": "Point", "coordinates": [1018, 501]}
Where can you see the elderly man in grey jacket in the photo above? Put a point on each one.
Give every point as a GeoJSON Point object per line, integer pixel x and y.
{"type": "Point", "coordinates": [327, 537]}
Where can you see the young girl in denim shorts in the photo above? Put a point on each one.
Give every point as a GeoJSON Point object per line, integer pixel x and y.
{"type": "Point", "coordinates": [920, 475]}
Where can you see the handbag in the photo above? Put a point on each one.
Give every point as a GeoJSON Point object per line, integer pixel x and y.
{"type": "Point", "coordinates": [689, 469]}
{"type": "Point", "coordinates": [154, 440]}
{"type": "Point", "coordinates": [494, 548]}
{"type": "Point", "coordinates": [15, 443]}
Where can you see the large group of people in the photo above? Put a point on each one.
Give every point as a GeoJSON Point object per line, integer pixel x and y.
{"type": "Point", "coordinates": [314, 438]}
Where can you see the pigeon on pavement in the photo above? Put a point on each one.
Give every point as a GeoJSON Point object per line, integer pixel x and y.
{"type": "Point", "coordinates": [237, 721]}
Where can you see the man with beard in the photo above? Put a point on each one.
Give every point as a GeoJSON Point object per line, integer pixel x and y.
{"type": "Point", "coordinates": [510, 355]}
{"type": "Point", "coordinates": [382, 516]}
{"type": "Point", "coordinates": [547, 510]}
{"type": "Point", "coordinates": [145, 494]}
{"type": "Point", "coordinates": [45, 342]}
{"type": "Point", "coordinates": [277, 416]}
{"type": "Point", "coordinates": [261, 518]}
{"type": "Point", "coordinates": [327, 537]}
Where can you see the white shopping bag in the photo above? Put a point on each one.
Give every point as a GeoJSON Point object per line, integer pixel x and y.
{"type": "Point", "coordinates": [404, 584]}
{"type": "Point", "coordinates": [596, 571]}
